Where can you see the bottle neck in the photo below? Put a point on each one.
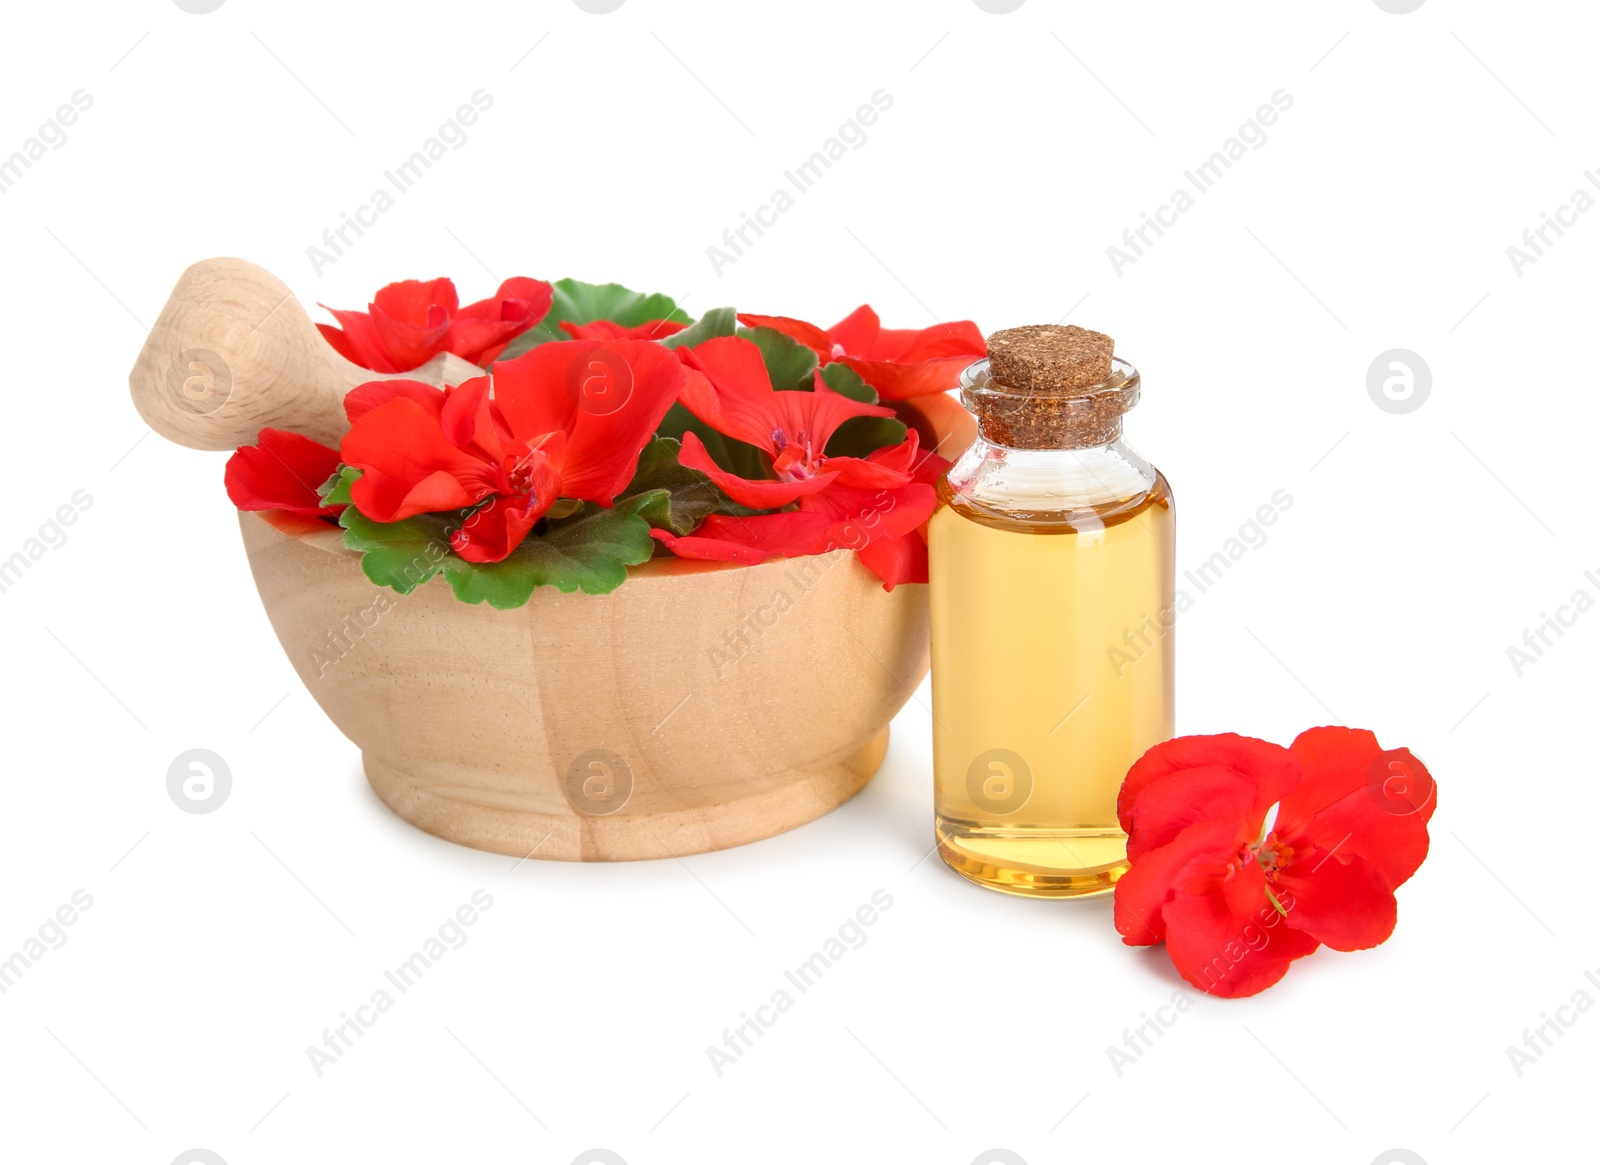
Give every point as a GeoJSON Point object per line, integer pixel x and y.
{"type": "Point", "coordinates": [1004, 432]}
{"type": "Point", "coordinates": [1048, 417]}
{"type": "Point", "coordinates": [1006, 479]}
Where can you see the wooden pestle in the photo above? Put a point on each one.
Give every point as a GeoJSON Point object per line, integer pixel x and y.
{"type": "Point", "coordinates": [233, 352]}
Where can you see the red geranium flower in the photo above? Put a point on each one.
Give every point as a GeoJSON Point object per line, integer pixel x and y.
{"type": "Point", "coordinates": [898, 362]}
{"type": "Point", "coordinates": [567, 420]}
{"type": "Point", "coordinates": [409, 323]}
{"type": "Point", "coordinates": [282, 471]}
{"type": "Point", "coordinates": [607, 330]}
{"type": "Point", "coordinates": [1236, 895]}
{"type": "Point", "coordinates": [871, 504]}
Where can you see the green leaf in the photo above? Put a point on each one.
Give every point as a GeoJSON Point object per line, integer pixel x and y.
{"type": "Point", "coordinates": [719, 321]}
{"type": "Point", "coordinates": [575, 302]}
{"type": "Point", "coordinates": [401, 555]}
{"type": "Point", "coordinates": [789, 363]}
{"type": "Point", "coordinates": [582, 303]}
{"type": "Point", "coordinates": [655, 507]}
{"type": "Point", "coordinates": [689, 494]}
{"type": "Point", "coordinates": [861, 435]}
{"type": "Point", "coordinates": [590, 551]}
{"type": "Point", "coordinates": [336, 490]}
{"type": "Point", "coordinates": [845, 381]}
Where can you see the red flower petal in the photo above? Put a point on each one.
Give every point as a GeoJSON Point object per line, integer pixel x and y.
{"type": "Point", "coordinates": [896, 560]}
{"type": "Point", "coordinates": [859, 517]}
{"type": "Point", "coordinates": [1151, 882]}
{"type": "Point", "coordinates": [357, 340]}
{"type": "Point", "coordinates": [927, 467]}
{"type": "Point", "coordinates": [491, 533]}
{"type": "Point", "coordinates": [468, 422]}
{"type": "Point", "coordinates": [1357, 799]}
{"type": "Point", "coordinates": [607, 330]}
{"type": "Point", "coordinates": [895, 381]}
{"type": "Point", "coordinates": [810, 419]}
{"type": "Point", "coordinates": [721, 538]}
{"type": "Point", "coordinates": [857, 333]}
{"type": "Point", "coordinates": [281, 471]}
{"type": "Point", "coordinates": [548, 390]}
{"type": "Point", "coordinates": [1343, 903]}
{"type": "Point", "coordinates": [410, 322]}
{"type": "Point", "coordinates": [412, 318]}
{"type": "Point", "coordinates": [904, 558]}
{"type": "Point", "coordinates": [761, 495]}
{"type": "Point", "coordinates": [480, 331]}
{"type": "Point", "coordinates": [408, 465]}
{"type": "Point", "coordinates": [867, 473]}
{"type": "Point", "coordinates": [1230, 954]}
{"type": "Point", "coordinates": [960, 339]}
{"type": "Point", "coordinates": [801, 332]}
{"type": "Point", "coordinates": [703, 548]}
{"type": "Point", "coordinates": [1168, 805]}
{"type": "Point", "coordinates": [901, 362]}
{"type": "Point", "coordinates": [903, 457]}
{"type": "Point", "coordinates": [363, 398]}
{"type": "Point", "coordinates": [728, 388]}
{"type": "Point", "coordinates": [416, 303]}
{"type": "Point", "coordinates": [1333, 762]}
{"type": "Point", "coordinates": [531, 392]}
{"type": "Point", "coordinates": [875, 471]}
{"type": "Point", "coordinates": [340, 342]}
{"type": "Point", "coordinates": [735, 397]}
{"type": "Point", "coordinates": [1265, 773]}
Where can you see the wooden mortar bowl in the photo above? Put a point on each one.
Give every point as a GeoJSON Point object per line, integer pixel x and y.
{"type": "Point", "coordinates": [696, 707]}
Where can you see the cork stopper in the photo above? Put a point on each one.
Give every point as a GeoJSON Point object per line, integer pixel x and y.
{"type": "Point", "coordinates": [1045, 386]}
{"type": "Point", "coordinates": [1049, 358]}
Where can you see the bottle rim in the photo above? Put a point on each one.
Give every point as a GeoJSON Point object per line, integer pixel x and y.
{"type": "Point", "coordinates": [1116, 394]}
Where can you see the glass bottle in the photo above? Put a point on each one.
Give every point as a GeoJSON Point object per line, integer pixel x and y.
{"type": "Point", "coordinates": [1051, 568]}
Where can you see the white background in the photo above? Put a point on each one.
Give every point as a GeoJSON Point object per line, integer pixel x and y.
{"type": "Point", "coordinates": [1418, 548]}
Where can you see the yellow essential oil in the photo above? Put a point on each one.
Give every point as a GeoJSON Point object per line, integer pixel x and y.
{"type": "Point", "coordinates": [1051, 569]}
